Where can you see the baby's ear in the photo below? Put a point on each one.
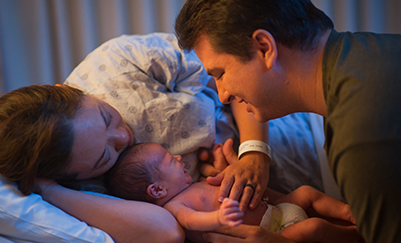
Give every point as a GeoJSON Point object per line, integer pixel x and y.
{"type": "Point", "coordinates": [156, 191]}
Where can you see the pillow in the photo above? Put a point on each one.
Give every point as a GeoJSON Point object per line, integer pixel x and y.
{"type": "Point", "coordinates": [31, 219]}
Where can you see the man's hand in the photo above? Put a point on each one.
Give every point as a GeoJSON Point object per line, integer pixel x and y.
{"type": "Point", "coordinates": [244, 234]}
{"type": "Point", "coordinates": [252, 169]}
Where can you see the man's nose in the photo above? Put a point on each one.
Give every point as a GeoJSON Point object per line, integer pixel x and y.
{"type": "Point", "coordinates": [224, 96]}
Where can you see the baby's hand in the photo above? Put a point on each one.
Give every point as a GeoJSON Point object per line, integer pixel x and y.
{"type": "Point", "coordinates": [229, 213]}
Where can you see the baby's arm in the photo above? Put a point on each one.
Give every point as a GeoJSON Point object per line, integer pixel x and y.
{"type": "Point", "coordinates": [229, 214]}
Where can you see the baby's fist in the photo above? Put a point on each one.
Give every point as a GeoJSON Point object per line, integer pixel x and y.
{"type": "Point", "coordinates": [230, 213]}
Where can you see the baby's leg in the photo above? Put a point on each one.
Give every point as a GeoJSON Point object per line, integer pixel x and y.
{"type": "Point", "coordinates": [320, 230]}
{"type": "Point", "coordinates": [309, 198]}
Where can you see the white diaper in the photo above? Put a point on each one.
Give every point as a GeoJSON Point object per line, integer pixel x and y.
{"type": "Point", "coordinates": [277, 218]}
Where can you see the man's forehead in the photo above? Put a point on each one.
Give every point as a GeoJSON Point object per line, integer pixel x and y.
{"type": "Point", "coordinates": [207, 54]}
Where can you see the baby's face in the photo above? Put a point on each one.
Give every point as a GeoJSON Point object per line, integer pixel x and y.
{"type": "Point", "coordinates": [172, 169]}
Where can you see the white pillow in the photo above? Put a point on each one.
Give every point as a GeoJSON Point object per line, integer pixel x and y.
{"type": "Point", "coordinates": [31, 219]}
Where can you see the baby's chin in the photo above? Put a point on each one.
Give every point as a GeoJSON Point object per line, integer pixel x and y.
{"type": "Point", "coordinates": [188, 178]}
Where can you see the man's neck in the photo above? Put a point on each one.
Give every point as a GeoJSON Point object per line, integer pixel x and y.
{"type": "Point", "coordinates": [304, 70]}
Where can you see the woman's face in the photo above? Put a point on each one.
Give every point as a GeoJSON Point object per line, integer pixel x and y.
{"type": "Point", "coordinates": [100, 137]}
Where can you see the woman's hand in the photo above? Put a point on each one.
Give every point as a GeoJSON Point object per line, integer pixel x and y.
{"type": "Point", "coordinates": [244, 234]}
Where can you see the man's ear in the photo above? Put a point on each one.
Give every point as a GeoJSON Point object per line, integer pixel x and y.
{"type": "Point", "coordinates": [264, 42]}
{"type": "Point", "coordinates": [156, 191]}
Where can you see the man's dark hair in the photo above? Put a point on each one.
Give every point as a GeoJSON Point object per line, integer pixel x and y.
{"type": "Point", "coordinates": [229, 24]}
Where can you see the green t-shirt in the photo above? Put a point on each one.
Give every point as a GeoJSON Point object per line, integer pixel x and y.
{"type": "Point", "coordinates": [362, 89]}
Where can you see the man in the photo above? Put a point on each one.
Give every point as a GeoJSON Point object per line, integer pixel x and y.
{"type": "Point", "coordinates": [284, 56]}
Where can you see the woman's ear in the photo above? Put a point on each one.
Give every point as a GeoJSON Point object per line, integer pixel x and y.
{"type": "Point", "coordinates": [156, 191]}
{"type": "Point", "coordinates": [264, 43]}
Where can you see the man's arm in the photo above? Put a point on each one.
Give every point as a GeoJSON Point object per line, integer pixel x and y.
{"type": "Point", "coordinates": [245, 234]}
{"type": "Point", "coordinates": [252, 168]}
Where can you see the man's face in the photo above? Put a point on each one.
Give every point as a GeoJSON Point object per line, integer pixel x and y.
{"type": "Point", "coordinates": [251, 82]}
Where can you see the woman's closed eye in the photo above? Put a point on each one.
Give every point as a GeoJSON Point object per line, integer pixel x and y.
{"type": "Point", "coordinates": [108, 156]}
{"type": "Point", "coordinates": [110, 118]}
{"type": "Point", "coordinates": [107, 117]}
{"type": "Point", "coordinates": [105, 159]}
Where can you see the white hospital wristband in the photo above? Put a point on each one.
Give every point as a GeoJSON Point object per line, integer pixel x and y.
{"type": "Point", "coordinates": [254, 145]}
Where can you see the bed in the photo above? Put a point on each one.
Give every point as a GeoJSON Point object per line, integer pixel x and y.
{"type": "Point", "coordinates": [140, 76]}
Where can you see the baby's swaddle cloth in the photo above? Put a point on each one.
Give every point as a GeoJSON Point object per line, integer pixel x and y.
{"type": "Point", "coordinates": [280, 216]}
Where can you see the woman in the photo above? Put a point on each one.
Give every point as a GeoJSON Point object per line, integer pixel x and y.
{"type": "Point", "coordinates": [60, 133]}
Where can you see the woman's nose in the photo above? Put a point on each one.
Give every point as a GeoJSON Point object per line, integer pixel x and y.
{"type": "Point", "coordinates": [119, 137]}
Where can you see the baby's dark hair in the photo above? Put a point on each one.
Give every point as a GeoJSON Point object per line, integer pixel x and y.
{"type": "Point", "coordinates": [132, 174]}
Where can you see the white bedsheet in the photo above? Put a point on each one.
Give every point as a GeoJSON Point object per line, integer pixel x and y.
{"type": "Point", "coordinates": [30, 219]}
{"type": "Point", "coordinates": [329, 185]}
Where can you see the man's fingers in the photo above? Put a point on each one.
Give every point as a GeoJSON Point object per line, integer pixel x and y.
{"type": "Point", "coordinates": [225, 187]}
{"type": "Point", "coordinates": [235, 223]}
{"type": "Point", "coordinates": [247, 194]}
{"type": "Point", "coordinates": [229, 152]}
{"type": "Point", "coordinates": [219, 162]}
{"type": "Point", "coordinates": [240, 231]}
{"type": "Point", "coordinates": [237, 190]}
{"type": "Point", "coordinates": [257, 197]}
{"type": "Point", "coordinates": [244, 233]}
{"type": "Point", "coordinates": [220, 238]}
{"type": "Point", "coordinates": [216, 180]}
